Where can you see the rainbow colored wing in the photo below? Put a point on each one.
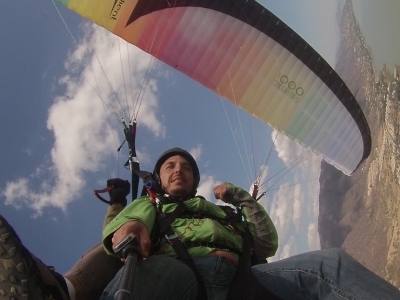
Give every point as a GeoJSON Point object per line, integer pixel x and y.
{"type": "Point", "coordinates": [247, 55]}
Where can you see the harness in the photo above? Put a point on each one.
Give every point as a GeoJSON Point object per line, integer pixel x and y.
{"type": "Point", "coordinates": [244, 284]}
{"type": "Point", "coordinates": [164, 230]}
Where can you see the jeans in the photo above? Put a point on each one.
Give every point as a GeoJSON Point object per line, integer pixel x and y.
{"type": "Point", "coordinates": [324, 274]}
{"type": "Point", "coordinates": [163, 277]}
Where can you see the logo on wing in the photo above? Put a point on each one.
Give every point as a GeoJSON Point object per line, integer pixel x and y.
{"type": "Point", "coordinates": [116, 8]}
{"type": "Point", "coordinates": [289, 87]}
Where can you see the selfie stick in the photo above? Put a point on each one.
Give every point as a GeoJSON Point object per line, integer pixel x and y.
{"type": "Point", "coordinates": [128, 249]}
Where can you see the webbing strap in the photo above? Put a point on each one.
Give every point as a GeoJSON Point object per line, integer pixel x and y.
{"type": "Point", "coordinates": [170, 218]}
{"type": "Point", "coordinates": [184, 255]}
{"type": "Point", "coordinates": [180, 249]}
{"type": "Point", "coordinates": [245, 286]}
{"type": "Point", "coordinates": [212, 245]}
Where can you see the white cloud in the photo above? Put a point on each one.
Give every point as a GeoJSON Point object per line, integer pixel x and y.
{"type": "Point", "coordinates": [298, 202]}
{"type": "Point", "coordinates": [281, 212]}
{"type": "Point", "coordinates": [289, 249]}
{"type": "Point", "coordinates": [294, 205]}
{"type": "Point", "coordinates": [28, 152]}
{"type": "Point", "coordinates": [17, 189]}
{"type": "Point", "coordinates": [196, 152]}
{"type": "Point", "coordinates": [83, 137]}
{"type": "Point", "coordinates": [144, 157]}
{"type": "Point", "coordinates": [206, 187]}
{"type": "Point", "coordinates": [313, 237]}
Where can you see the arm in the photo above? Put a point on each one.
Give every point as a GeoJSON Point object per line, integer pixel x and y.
{"type": "Point", "coordinates": [112, 211]}
{"type": "Point", "coordinates": [258, 221]}
{"type": "Point", "coordinates": [137, 218]}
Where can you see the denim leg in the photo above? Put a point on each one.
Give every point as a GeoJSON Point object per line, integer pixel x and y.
{"type": "Point", "coordinates": [217, 273]}
{"type": "Point", "coordinates": [324, 274]}
{"type": "Point", "coordinates": [162, 277]}
{"type": "Point", "coordinates": [158, 277]}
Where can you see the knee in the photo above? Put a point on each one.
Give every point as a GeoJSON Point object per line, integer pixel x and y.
{"type": "Point", "coordinates": [336, 254]}
{"type": "Point", "coordinates": [334, 251]}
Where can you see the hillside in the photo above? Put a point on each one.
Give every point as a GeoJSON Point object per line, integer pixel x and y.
{"type": "Point", "coordinates": [361, 213]}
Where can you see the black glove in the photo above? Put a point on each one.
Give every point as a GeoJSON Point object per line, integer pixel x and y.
{"type": "Point", "coordinates": [120, 189]}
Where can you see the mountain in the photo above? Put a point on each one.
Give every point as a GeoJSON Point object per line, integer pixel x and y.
{"type": "Point", "coordinates": [360, 213]}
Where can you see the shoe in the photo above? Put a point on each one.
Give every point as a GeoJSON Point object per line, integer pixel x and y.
{"type": "Point", "coordinates": [22, 275]}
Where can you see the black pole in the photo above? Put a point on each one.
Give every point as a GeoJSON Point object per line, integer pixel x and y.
{"type": "Point", "coordinates": [135, 180]}
{"type": "Point", "coordinates": [128, 249]}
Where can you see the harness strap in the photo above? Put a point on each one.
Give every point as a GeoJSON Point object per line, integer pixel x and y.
{"type": "Point", "coordinates": [211, 245]}
{"type": "Point", "coordinates": [245, 286]}
{"type": "Point", "coordinates": [176, 243]}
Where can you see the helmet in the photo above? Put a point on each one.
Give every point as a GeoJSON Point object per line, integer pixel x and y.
{"type": "Point", "coordinates": [178, 151]}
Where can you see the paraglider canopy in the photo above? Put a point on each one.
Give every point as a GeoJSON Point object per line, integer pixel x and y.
{"type": "Point", "coordinates": [249, 56]}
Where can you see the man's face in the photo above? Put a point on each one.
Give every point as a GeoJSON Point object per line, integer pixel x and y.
{"type": "Point", "coordinates": [176, 176]}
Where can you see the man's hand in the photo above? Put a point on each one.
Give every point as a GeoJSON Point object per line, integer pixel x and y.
{"type": "Point", "coordinates": [141, 232]}
{"type": "Point", "coordinates": [120, 189]}
{"type": "Point", "coordinates": [231, 194]}
{"type": "Point", "coordinates": [221, 192]}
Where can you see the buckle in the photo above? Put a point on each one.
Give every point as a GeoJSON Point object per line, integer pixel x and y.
{"type": "Point", "coordinates": [171, 237]}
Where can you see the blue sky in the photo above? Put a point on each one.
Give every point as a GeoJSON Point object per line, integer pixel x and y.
{"type": "Point", "coordinates": [59, 144]}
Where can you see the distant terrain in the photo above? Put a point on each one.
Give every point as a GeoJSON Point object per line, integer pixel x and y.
{"type": "Point", "coordinates": [360, 213]}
